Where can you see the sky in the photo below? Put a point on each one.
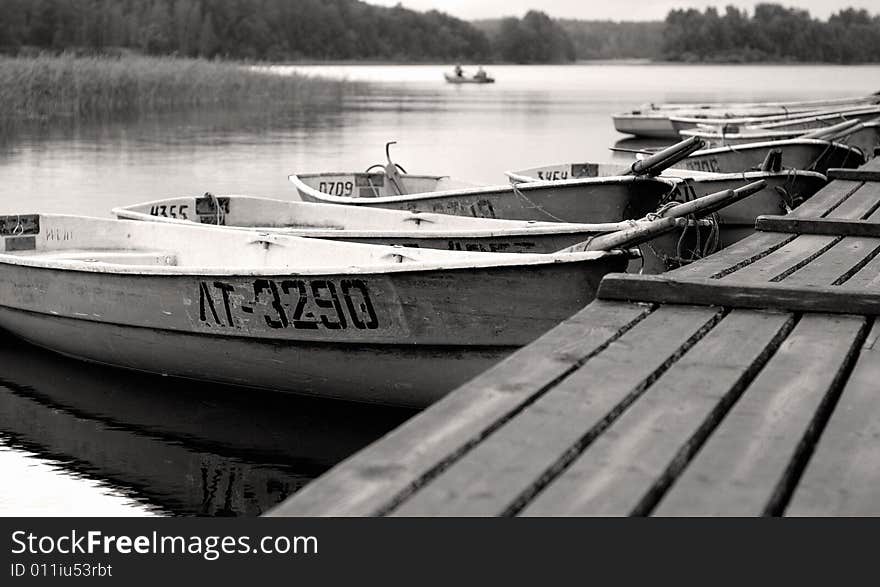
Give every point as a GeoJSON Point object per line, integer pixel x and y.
{"type": "Point", "coordinates": [610, 10]}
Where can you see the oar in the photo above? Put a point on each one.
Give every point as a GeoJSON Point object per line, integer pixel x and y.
{"type": "Point", "coordinates": [656, 163]}
{"type": "Point", "coordinates": [821, 133]}
{"type": "Point", "coordinates": [705, 205]}
{"type": "Point", "coordinates": [640, 232]}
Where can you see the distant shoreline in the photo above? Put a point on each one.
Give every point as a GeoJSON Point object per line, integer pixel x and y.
{"type": "Point", "coordinates": [622, 61]}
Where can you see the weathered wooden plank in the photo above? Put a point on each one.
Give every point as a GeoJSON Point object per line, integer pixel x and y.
{"type": "Point", "coordinates": [491, 478]}
{"type": "Point", "coordinates": [823, 226]}
{"type": "Point", "coordinates": [374, 478]}
{"type": "Point", "coordinates": [629, 466]}
{"type": "Point", "coordinates": [854, 174]}
{"type": "Point", "coordinates": [843, 475]}
{"type": "Point", "coordinates": [860, 204]}
{"type": "Point", "coordinates": [741, 253]}
{"type": "Point", "coordinates": [836, 265]}
{"type": "Point", "coordinates": [825, 200]}
{"type": "Point", "coordinates": [778, 264]}
{"type": "Point", "coordinates": [749, 460]}
{"type": "Point", "coordinates": [712, 292]}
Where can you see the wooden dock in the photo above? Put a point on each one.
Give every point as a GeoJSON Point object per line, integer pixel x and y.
{"type": "Point", "coordinates": [744, 384]}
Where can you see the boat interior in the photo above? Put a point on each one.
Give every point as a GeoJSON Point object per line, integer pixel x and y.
{"type": "Point", "coordinates": [99, 244]}
{"type": "Point", "coordinates": [378, 184]}
{"type": "Point", "coordinates": [320, 219]}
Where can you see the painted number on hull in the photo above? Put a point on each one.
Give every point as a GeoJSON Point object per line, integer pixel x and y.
{"type": "Point", "coordinates": [710, 164]}
{"type": "Point", "coordinates": [174, 211]}
{"type": "Point", "coordinates": [336, 188]}
{"type": "Point", "coordinates": [290, 303]}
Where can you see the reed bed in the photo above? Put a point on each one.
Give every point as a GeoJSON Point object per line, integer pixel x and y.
{"type": "Point", "coordinates": [53, 86]}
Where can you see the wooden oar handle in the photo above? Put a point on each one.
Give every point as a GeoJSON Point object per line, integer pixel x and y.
{"type": "Point", "coordinates": [713, 202]}
{"type": "Point", "coordinates": [656, 163]}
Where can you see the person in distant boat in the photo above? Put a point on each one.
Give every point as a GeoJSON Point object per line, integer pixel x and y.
{"type": "Point", "coordinates": [458, 72]}
{"type": "Point", "coordinates": [480, 73]}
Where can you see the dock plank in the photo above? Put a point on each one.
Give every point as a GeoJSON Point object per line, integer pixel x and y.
{"type": "Point", "coordinates": [825, 200]}
{"type": "Point", "coordinates": [743, 467]}
{"type": "Point", "coordinates": [859, 205]}
{"type": "Point", "coordinates": [743, 252]}
{"type": "Point", "coordinates": [822, 226]}
{"type": "Point", "coordinates": [712, 292]}
{"type": "Point", "coordinates": [626, 468]}
{"type": "Point", "coordinates": [788, 258]}
{"type": "Point", "coordinates": [370, 480]}
{"type": "Point", "coordinates": [837, 264]}
{"type": "Point", "coordinates": [491, 477]}
{"type": "Point", "coordinates": [843, 476]}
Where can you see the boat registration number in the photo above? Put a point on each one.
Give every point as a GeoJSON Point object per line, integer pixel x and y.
{"type": "Point", "coordinates": [175, 211]}
{"type": "Point", "coordinates": [709, 164]}
{"type": "Point", "coordinates": [336, 188]}
{"type": "Point", "coordinates": [302, 304]}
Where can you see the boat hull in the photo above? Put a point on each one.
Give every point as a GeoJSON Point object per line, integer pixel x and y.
{"type": "Point", "coordinates": [402, 338]}
{"type": "Point", "coordinates": [654, 126]}
{"type": "Point", "coordinates": [571, 201]}
{"type": "Point", "coordinates": [808, 155]}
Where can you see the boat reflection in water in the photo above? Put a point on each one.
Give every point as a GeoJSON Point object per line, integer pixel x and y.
{"type": "Point", "coordinates": [183, 447]}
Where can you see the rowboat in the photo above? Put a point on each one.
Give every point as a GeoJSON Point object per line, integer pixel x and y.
{"type": "Point", "coordinates": [591, 200]}
{"type": "Point", "coordinates": [359, 322]}
{"type": "Point", "coordinates": [368, 225]}
{"type": "Point", "coordinates": [863, 135]}
{"type": "Point", "coordinates": [455, 79]}
{"type": "Point", "coordinates": [653, 120]}
{"type": "Point", "coordinates": [803, 154]}
{"type": "Point", "coordinates": [789, 121]}
{"type": "Point", "coordinates": [784, 189]}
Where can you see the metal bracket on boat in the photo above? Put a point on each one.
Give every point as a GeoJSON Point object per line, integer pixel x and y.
{"type": "Point", "coordinates": [266, 240]}
{"type": "Point", "coordinates": [392, 170]}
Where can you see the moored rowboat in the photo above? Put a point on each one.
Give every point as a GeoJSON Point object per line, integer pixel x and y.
{"type": "Point", "coordinates": [592, 200]}
{"type": "Point", "coordinates": [804, 154]}
{"type": "Point", "coordinates": [783, 191]}
{"type": "Point", "coordinates": [360, 322]}
{"type": "Point", "coordinates": [368, 225]}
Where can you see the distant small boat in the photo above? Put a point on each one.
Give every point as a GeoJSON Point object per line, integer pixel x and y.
{"type": "Point", "coordinates": [368, 225]}
{"type": "Point", "coordinates": [360, 322]}
{"type": "Point", "coordinates": [476, 79]}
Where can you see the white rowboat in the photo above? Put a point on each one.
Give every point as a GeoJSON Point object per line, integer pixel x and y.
{"type": "Point", "coordinates": [359, 322]}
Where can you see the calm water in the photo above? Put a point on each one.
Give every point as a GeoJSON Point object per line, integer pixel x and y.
{"type": "Point", "coordinates": [78, 439]}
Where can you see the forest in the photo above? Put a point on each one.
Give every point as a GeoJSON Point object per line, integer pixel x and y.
{"type": "Point", "coordinates": [771, 33]}
{"type": "Point", "coordinates": [289, 30]}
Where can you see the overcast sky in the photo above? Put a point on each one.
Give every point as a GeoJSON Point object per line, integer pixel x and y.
{"type": "Point", "coordinates": [609, 9]}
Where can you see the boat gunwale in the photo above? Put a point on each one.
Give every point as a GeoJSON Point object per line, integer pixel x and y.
{"type": "Point", "coordinates": [457, 260]}
{"type": "Point", "coordinates": [522, 228]}
{"type": "Point", "coordinates": [452, 193]}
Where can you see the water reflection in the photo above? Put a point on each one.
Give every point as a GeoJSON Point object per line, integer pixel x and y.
{"type": "Point", "coordinates": [188, 448]}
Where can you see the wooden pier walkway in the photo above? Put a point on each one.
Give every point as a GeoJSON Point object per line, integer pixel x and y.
{"type": "Point", "coordinates": [744, 384]}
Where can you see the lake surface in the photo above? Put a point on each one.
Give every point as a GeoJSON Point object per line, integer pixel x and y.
{"type": "Point", "coordinates": [78, 439]}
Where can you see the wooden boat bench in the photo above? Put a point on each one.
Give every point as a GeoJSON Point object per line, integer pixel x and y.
{"type": "Point", "coordinates": [743, 384]}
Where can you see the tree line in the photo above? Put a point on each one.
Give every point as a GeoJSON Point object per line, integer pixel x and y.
{"type": "Point", "coordinates": [771, 33]}
{"type": "Point", "coordinates": [279, 30]}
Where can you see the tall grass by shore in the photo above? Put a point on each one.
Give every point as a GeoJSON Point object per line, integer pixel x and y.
{"type": "Point", "coordinates": [49, 86]}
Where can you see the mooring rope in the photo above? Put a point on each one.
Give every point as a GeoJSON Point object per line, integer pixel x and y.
{"type": "Point", "coordinates": [535, 206]}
